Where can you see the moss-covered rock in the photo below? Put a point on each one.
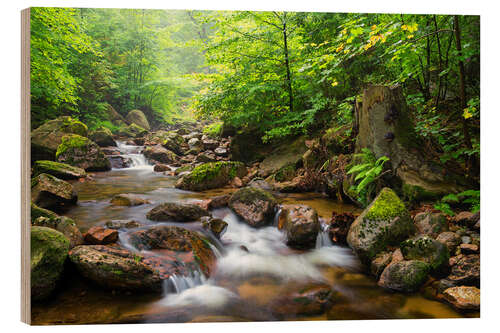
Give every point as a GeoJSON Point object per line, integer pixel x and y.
{"type": "Point", "coordinates": [132, 131]}
{"type": "Point", "coordinates": [50, 192]}
{"type": "Point", "coordinates": [289, 153]}
{"type": "Point", "coordinates": [64, 225]}
{"type": "Point", "coordinates": [49, 249]}
{"type": "Point", "coordinates": [428, 250]}
{"type": "Point", "coordinates": [103, 137]}
{"type": "Point", "coordinates": [115, 268]}
{"type": "Point", "coordinates": [138, 118]}
{"type": "Point", "coordinates": [385, 222]}
{"type": "Point", "coordinates": [176, 212]}
{"type": "Point", "coordinates": [175, 143]}
{"type": "Point", "coordinates": [184, 168]}
{"type": "Point", "coordinates": [405, 276]}
{"type": "Point", "coordinates": [286, 173]}
{"type": "Point", "coordinates": [254, 205]}
{"type": "Point", "coordinates": [211, 175]}
{"type": "Point", "coordinates": [46, 138]}
{"type": "Point", "coordinates": [59, 170]}
{"type": "Point", "coordinates": [79, 151]}
{"type": "Point", "coordinates": [37, 212]}
{"type": "Point", "coordinates": [160, 154]}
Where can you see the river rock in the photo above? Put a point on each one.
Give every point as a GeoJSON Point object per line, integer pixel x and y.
{"type": "Point", "coordinates": [221, 151]}
{"type": "Point", "coordinates": [428, 250]}
{"type": "Point", "coordinates": [463, 298]}
{"type": "Point", "coordinates": [466, 271]}
{"type": "Point", "coordinates": [103, 137]}
{"type": "Point", "coordinates": [122, 224]}
{"type": "Point", "coordinates": [253, 205]}
{"type": "Point", "coordinates": [211, 175]}
{"type": "Point", "coordinates": [195, 143]}
{"type": "Point", "coordinates": [64, 225]}
{"type": "Point", "coordinates": [160, 154]}
{"type": "Point", "coordinates": [59, 170]}
{"type": "Point", "coordinates": [290, 153]}
{"type": "Point", "coordinates": [132, 131]}
{"type": "Point", "coordinates": [308, 300]}
{"type": "Point", "coordinates": [101, 236]}
{"type": "Point", "coordinates": [218, 201]}
{"type": "Point", "coordinates": [119, 162]}
{"type": "Point", "coordinates": [385, 222]}
{"type": "Point", "coordinates": [205, 157]}
{"type": "Point", "coordinates": [175, 143]}
{"type": "Point", "coordinates": [176, 239]}
{"type": "Point", "coordinates": [469, 248]}
{"type": "Point", "coordinates": [79, 151]}
{"type": "Point", "coordinates": [137, 117]}
{"type": "Point", "coordinates": [216, 226]}
{"type": "Point", "coordinates": [405, 276]}
{"type": "Point", "coordinates": [49, 249]}
{"type": "Point", "coordinates": [115, 268]}
{"type": "Point", "coordinates": [429, 223]}
{"type": "Point", "coordinates": [37, 212]}
{"type": "Point", "coordinates": [46, 138]}
{"type": "Point", "coordinates": [380, 262]}
{"type": "Point", "coordinates": [128, 199]}
{"type": "Point", "coordinates": [301, 225]}
{"type": "Point", "coordinates": [176, 212]}
{"type": "Point", "coordinates": [260, 183]}
{"type": "Point", "coordinates": [466, 218]}
{"type": "Point", "coordinates": [450, 239]}
{"type": "Point", "coordinates": [340, 224]}
{"type": "Point", "coordinates": [161, 167]}
{"type": "Point", "coordinates": [50, 192]}
{"type": "Point", "coordinates": [209, 144]}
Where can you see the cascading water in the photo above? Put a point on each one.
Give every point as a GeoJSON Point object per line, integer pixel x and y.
{"type": "Point", "coordinates": [137, 159]}
{"type": "Point", "coordinates": [323, 239]}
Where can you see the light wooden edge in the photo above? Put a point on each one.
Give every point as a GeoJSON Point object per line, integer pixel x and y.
{"type": "Point", "coordinates": [25, 168]}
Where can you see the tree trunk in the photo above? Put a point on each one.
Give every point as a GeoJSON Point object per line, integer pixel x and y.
{"type": "Point", "coordinates": [287, 64]}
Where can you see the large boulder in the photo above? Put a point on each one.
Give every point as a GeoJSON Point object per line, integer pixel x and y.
{"type": "Point", "coordinates": [132, 131]}
{"type": "Point", "coordinates": [428, 250]}
{"type": "Point", "coordinates": [64, 225]}
{"type": "Point", "coordinates": [49, 249]}
{"type": "Point", "coordinates": [160, 154]}
{"type": "Point", "coordinates": [301, 225]}
{"type": "Point", "coordinates": [405, 276]}
{"type": "Point", "coordinates": [211, 175]}
{"type": "Point", "coordinates": [385, 222]}
{"type": "Point", "coordinates": [79, 151]}
{"type": "Point", "coordinates": [288, 154]}
{"type": "Point", "coordinates": [179, 240]}
{"type": "Point", "coordinates": [103, 137]}
{"type": "Point", "coordinates": [428, 223]}
{"type": "Point", "coordinates": [46, 138]}
{"type": "Point", "coordinates": [386, 129]}
{"type": "Point", "coordinates": [115, 268]}
{"type": "Point", "coordinates": [50, 192]}
{"type": "Point", "coordinates": [463, 298]}
{"type": "Point", "coordinates": [137, 117]}
{"type": "Point", "coordinates": [59, 170]}
{"type": "Point", "coordinates": [113, 116]}
{"type": "Point", "coordinates": [255, 206]}
{"type": "Point", "coordinates": [176, 212]}
{"type": "Point", "coordinates": [175, 143]}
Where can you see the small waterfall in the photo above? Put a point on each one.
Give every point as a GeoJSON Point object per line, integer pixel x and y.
{"type": "Point", "coordinates": [277, 217]}
{"type": "Point", "coordinates": [323, 239]}
{"type": "Point", "coordinates": [179, 283]}
{"type": "Point", "coordinates": [138, 160]}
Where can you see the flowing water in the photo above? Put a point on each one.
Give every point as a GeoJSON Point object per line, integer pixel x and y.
{"type": "Point", "coordinates": [254, 266]}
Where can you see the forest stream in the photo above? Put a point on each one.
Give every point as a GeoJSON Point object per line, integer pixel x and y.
{"type": "Point", "coordinates": [254, 266]}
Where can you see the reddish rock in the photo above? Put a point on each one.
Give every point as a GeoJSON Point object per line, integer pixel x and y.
{"type": "Point", "coordinates": [469, 248]}
{"type": "Point", "coordinates": [128, 199]}
{"type": "Point", "coordinates": [463, 298]}
{"type": "Point", "coordinates": [236, 182]}
{"type": "Point", "coordinates": [450, 239]}
{"type": "Point", "coordinates": [161, 167]}
{"type": "Point", "coordinates": [254, 205]}
{"type": "Point", "coordinates": [301, 225]}
{"type": "Point", "coordinates": [101, 236]}
{"type": "Point", "coordinates": [466, 270]}
{"type": "Point", "coordinates": [339, 226]}
{"type": "Point", "coordinates": [466, 218]}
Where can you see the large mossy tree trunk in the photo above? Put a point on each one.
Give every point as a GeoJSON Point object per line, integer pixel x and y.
{"type": "Point", "coordinates": [386, 129]}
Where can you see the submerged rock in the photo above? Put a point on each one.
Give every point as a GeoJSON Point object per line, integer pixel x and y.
{"type": "Point", "coordinates": [463, 298]}
{"type": "Point", "coordinates": [176, 239]}
{"type": "Point", "coordinates": [81, 152]}
{"type": "Point", "coordinates": [176, 212]}
{"type": "Point", "coordinates": [385, 222]}
{"type": "Point", "coordinates": [301, 225]}
{"type": "Point", "coordinates": [49, 192]}
{"type": "Point", "coordinates": [64, 225]}
{"type": "Point", "coordinates": [46, 138]}
{"type": "Point", "coordinates": [101, 236]}
{"type": "Point", "coordinates": [253, 205]}
{"type": "Point", "coordinates": [405, 276]}
{"type": "Point", "coordinates": [115, 268]}
{"type": "Point", "coordinates": [211, 175]}
{"type": "Point", "coordinates": [59, 170]}
{"type": "Point", "coordinates": [49, 249]}
{"type": "Point", "coordinates": [128, 199]}
{"type": "Point", "coordinates": [380, 262]}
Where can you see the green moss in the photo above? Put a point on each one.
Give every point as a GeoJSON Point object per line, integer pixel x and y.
{"type": "Point", "coordinates": [410, 275]}
{"type": "Point", "coordinates": [248, 195]}
{"type": "Point", "coordinates": [386, 206]}
{"type": "Point", "coordinates": [72, 141]}
{"type": "Point", "coordinates": [37, 212]}
{"type": "Point", "coordinates": [427, 250]}
{"type": "Point", "coordinates": [213, 130]}
{"type": "Point", "coordinates": [415, 193]}
{"type": "Point", "coordinates": [183, 169]}
{"type": "Point", "coordinates": [209, 171]}
{"type": "Point", "coordinates": [74, 126]}
{"type": "Point", "coordinates": [60, 170]}
{"type": "Point", "coordinates": [285, 173]}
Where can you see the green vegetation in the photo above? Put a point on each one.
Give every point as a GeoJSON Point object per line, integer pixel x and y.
{"type": "Point", "coordinates": [213, 130]}
{"type": "Point", "coordinates": [470, 199]}
{"type": "Point", "coordinates": [386, 206]}
{"type": "Point", "coordinates": [71, 141]}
